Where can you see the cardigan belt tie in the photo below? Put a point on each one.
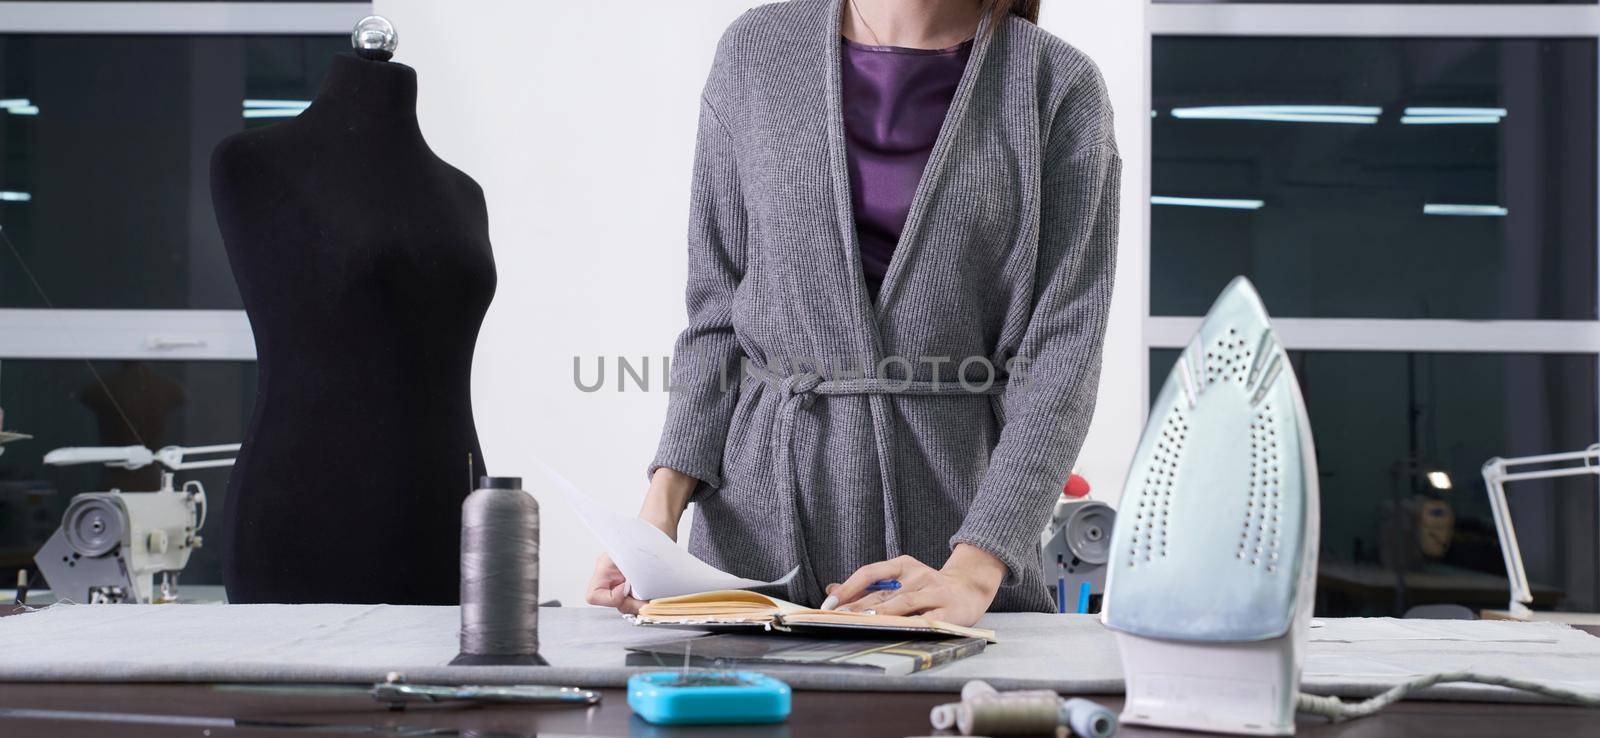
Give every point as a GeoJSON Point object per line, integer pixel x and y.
{"type": "Point", "coordinates": [798, 392]}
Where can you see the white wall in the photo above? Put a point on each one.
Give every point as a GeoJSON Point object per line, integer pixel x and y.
{"type": "Point", "coordinates": [580, 129]}
{"type": "Point", "coordinates": [1113, 34]}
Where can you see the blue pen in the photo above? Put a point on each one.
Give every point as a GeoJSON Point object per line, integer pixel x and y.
{"type": "Point", "coordinates": [882, 585]}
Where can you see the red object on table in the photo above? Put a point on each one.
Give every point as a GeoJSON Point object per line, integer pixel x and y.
{"type": "Point", "coordinates": [1075, 487]}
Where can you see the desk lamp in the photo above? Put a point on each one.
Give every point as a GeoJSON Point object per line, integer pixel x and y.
{"type": "Point", "coordinates": [1498, 471]}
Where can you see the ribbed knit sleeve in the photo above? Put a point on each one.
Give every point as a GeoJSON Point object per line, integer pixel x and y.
{"type": "Point", "coordinates": [1049, 404]}
{"type": "Point", "coordinates": [706, 360]}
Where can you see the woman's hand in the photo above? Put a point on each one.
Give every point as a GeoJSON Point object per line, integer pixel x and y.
{"type": "Point", "coordinates": [608, 588]}
{"type": "Point", "coordinates": [663, 507]}
{"type": "Point", "coordinates": [960, 593]}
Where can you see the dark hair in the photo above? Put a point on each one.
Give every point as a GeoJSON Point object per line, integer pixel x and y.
{"type": "Point", "coordinates": [1027, 10]}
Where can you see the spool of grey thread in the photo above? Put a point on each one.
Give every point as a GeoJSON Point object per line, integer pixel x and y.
{"type": "Point", "coordinates": [499, 575]}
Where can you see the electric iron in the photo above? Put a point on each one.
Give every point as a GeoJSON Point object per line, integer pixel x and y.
{"type": "Point", "coordinates": [1214, 556]}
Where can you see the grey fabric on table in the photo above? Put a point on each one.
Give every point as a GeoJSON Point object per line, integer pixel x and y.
{"type": "Point", "coordinates": [835, 455]}
{"type": "Point", "coordinates": [585, 646]}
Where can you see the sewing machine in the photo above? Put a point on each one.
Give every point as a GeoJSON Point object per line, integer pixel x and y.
{"type": "Point", "coordinates": [112, 546]}
{"type": "Point", "coordinates": [1074, 547]}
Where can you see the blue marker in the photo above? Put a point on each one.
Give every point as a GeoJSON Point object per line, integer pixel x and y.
{"type": "Point", "coordinates": [1083, 598]}
{"type": "Point", "coordinates": [1061, 587]}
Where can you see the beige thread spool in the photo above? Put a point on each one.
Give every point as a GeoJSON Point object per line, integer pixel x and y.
{"type": "Point", "coordinates": [1006, 714]}
{"type": "Point", "coordinates": [1029, 712]}
{"type": "Point", "coordinates": [984, 709]}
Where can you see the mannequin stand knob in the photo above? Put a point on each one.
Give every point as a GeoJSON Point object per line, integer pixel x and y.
{"type": "Point", "coordinates": [374, 38]}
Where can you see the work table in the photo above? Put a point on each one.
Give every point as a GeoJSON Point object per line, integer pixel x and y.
{"type": "Point", "coordinates": [144, 651]}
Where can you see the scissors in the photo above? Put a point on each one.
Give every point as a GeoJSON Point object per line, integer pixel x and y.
{"type": "Point", "coordinates": [395, 692]}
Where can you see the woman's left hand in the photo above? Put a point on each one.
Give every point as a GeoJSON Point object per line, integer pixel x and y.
{"type": "Point", "coordinates": [959, 593]}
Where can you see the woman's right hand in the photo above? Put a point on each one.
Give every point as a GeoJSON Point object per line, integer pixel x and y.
{"type": "Point", "coordinates": [608, 588]}
{"type": "Point", "coordinates": [663, 507]}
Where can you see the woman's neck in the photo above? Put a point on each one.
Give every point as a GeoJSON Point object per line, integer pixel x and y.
{"type": "Point", "coordinates": [913, 24]}
{"type": "Point", "coordinates": [363, 87]}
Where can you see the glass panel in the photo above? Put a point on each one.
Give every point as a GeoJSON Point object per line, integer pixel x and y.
{"type": "Point", "coordinates": [105, 149]}
{"type": "Point", "coordinates": [61, 403]}
{"type": "Point", "coordinates": [1376, 178]}
{"type": "Point", "coordinates": [1383, 421]}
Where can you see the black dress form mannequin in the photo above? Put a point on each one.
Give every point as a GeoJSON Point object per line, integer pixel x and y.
{"type": "Point", "coordinates": [364, 265]}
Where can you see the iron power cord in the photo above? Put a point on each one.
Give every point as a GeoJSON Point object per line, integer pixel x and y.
{"type": "Point", "coordinates": [1339, 710]}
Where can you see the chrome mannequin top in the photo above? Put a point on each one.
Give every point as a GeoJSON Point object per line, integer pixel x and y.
{"type": "Point", "coordinates": [374, 38]}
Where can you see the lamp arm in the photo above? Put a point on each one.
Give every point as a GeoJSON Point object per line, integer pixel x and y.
{"type": "Point", "coordinates": [138, 457]}
{"type": "Point", "coordinates": [1496, 472]}
{"type": "Point", "coordinates": [175, 457]}
{"type": "Point", "coordinates": [125, 457]}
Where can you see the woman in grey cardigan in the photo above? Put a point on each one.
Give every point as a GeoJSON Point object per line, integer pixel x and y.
{"type": "Point", "coordinates": [894, 325]}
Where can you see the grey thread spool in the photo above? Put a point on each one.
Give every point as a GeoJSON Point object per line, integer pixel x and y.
{"type": "Point", "coordinates": [499, 575]}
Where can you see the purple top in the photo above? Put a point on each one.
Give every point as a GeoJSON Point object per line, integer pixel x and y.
{"type": "Point", "coordinates": [895, 100]}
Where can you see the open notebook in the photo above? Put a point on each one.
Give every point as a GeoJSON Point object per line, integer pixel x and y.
{"type": "Point", "coordinates": [736, 609]}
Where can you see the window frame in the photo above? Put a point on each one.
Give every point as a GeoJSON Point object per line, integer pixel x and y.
{"type": "Point", "coordinates": [1373, 21]}
{"type": "Point", "coordinates": [154, 335]}
{"type": "Point", "coordinates": [184, 18]}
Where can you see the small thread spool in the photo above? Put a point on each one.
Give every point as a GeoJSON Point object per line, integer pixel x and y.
{"type": "Point", "coordinates": [944, 717]}
{"type": "Point", "coordinates": [499, 575]}
{"type": "Point", "coordinates": [976, 688]}
{"type": "Point", "coordinates": [1088, 719]}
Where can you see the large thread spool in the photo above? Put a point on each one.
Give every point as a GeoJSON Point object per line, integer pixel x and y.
{"type": "Point", "coordinates": [985, 711]}
{"type": "Point", "coordinates": [1005, 714]}
{"type": "Point", "coordinates": [499, 575]}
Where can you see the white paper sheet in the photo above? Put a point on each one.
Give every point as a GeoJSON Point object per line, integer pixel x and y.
{"type": "Point", "coordinates": [1406, 633]}
{"type": "Point", "coordinates": [654, 565]}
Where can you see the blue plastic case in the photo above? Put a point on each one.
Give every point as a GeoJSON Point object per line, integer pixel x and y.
{"type": "Point", "coordinates": [701, 698]}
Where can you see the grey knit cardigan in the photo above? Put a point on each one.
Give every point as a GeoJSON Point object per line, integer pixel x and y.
{"type": "Point", "coordinates": [829, 431]}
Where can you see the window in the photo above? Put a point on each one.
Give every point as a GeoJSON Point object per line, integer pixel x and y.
{"type": "Point", "coordinates": [1413, 192]}
{"type": "Point", "coordinates": [113, 279]}
{"type": "Point", "coordinates": [1376, 178]}
{"type": "Point", "coordinates": [1387, 424]}
{"type": "Point", "coordinates": [106, 186]}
